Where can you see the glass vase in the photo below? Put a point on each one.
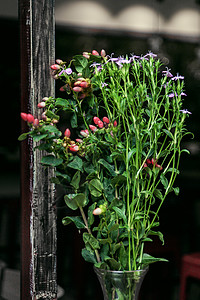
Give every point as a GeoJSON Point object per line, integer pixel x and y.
{"type": "Point", "coordinates": [120, 285]}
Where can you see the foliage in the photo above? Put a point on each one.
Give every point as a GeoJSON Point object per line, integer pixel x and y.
{"type": "Point", "coordinates": [119, 157]}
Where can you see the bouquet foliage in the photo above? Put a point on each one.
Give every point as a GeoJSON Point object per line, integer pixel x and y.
{"type": "Point", "coordinates": [114, 141]}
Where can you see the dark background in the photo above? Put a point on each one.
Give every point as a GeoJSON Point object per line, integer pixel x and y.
{"type": "Point", "coordinates": [180, 216]}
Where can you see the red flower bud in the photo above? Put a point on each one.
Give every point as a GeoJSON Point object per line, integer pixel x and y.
{"type": "Point", "coordinates": [153, 161]}
{"type": "Point", "coordinates": [30, 118]}
{"type": "Point", "coordinates": [74, 148]}
{"type": "Point", "coordinates": [106, 120]}
{"type": "Point", "coordinates": [115, 124]}
{"type": "Point", "coordinates": [45, 98]}
{"type": "Point", "coordinates": [93, 128]}
{"type": "Point", "coordinates": [159, 166]}
{"type": "Point", "coordinates": [67, 133]}
{"type": "Point", "coordinates": [41, 104]}
{"type": "Point", "coordinates": [145, 165]}
{"type": "Point", "coordinates": [55, 67]}
{"type": "Point", "coordinates": [24, 116]}
{"type": "Point", "coordinates": [94, 52]}
{"type": "Point", "coordinates": [77, 89]}
{"type": "Point", "coordinates": [100, 124]}
{"type": "Point", "coordinates": [96, 120]}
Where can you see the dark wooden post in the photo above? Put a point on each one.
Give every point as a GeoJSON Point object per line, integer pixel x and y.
{"type": "Point", "coordinates": [38, 273]}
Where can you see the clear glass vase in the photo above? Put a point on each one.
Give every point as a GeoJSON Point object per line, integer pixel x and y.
{"type": "Point", "coordinates": [120, 285]}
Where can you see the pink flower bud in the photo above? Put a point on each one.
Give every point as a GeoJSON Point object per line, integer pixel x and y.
{"type": "Point", "coordinates": [84, 133]}
{"type": "Point", "coordinates": [67, 133]}
{"type": "Point", "coordinates": [153, 161]}
{"type": "Point", "coordinates": [93, 128]}
{"type": "Point", "coordinates": [74, 148]}
{"type": "Point", "coordinates": [100, 124]}
{"type": "Point", "coordinates": [84, 84]}
{"type": "Point", "coordinates": [97, 211]}
{"type": "Point", "coordinates": [77, 89]}
{"type": "Point", "coordinates": [86, 55]}
{"type": "Point", "coordinates": [145, 165]}
{"type": "Point", "coordinates": [55, 67]}
{"type": "Point", "coordinates": [94, 52]}
{"type": "Point", "coordinates": [30, 118]}
{"type": "Point", "coordinates": [44, 117]}
{"type": "Point", "coordinates": [59, 61]}
{"type": "Point", "coordinates": [45, 98]}
{"type": "Point", "coordinates": [82, 96]}
{"type": "Point", "coordinates": [159, 166]}
{"type": "Point", "coordinates": [36, 123]}
{"type": "Point", "coordinates": [96, 120]}
{"type": "Point", "coordinates": [79, 141]}
{"type": "Point", "coordinates": [24, 116]}
{"type": "Point", "coordinates": [106, 120]}
{"type": "Point", "coordinates": [103, 53]}
{"type": "Point", "coordinates": [115, 124]}
{"type": "Point", "coordinates": [41, 104]}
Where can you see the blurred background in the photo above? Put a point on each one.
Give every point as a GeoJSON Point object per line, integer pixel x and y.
{"type": "Point", "coordinates": [170, 28]}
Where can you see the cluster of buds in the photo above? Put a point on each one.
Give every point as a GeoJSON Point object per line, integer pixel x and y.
{"type": "Point", "coordinates": [30, 119]}
{"type": "Point", "coordinates": [95, 53]}
{"type": "Point", "coordinates": [56, 68]}
{"type": "Point", "coordinates": [68, 143]}
{"type": "Point", "coordinates": [104, 123]}
{"type": "Point", "coordinates": [82, 86]}
{"type": "Point", "coordinates": [152, 163]}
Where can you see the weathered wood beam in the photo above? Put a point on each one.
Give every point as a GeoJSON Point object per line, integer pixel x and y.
{"type": "Point", "coordinates": [37, 35]}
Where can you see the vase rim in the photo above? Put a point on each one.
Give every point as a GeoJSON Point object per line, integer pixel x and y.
{"type": "Point", "coordinates": [122, 271]}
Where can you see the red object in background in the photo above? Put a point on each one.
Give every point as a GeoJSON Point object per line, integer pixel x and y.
{"type": "Point", "coordinates": [190, 267]}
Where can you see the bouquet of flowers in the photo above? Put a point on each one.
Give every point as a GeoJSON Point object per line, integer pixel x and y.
{"type": "Point", "coordinates": [114, 141]}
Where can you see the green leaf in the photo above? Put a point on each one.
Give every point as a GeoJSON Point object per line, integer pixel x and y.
{"type": "Point", "coordinates": [158, 194]}
{"type": "Point", "coordinates": [80, 63]}
{"type": "Point", "coordinates": [148, 259]}
{"type": "Point", "coordinates": [76, 163]}
{"type": "Point", "coordinates": [120, 213]}
{"type": "Point", "coordinates": [76, 220]}
{"type": "Point", "coordinates": [114, 265]}
{"type": "Point", "coordinates": [89, 239]}
{"type": "Point", "coordinates": [23, 136]}
{"type": "Point", "coordinates": [76, 180]}
{"type": "Point", "coordinates": [95, 187]}
{"type": "Point", "coordinates": [51, 115]}
{"type": "Point", "coordinates": [75, 201]}
{"type": "Point", "coordinates": [164, 181]}
{"type": "Point", "coordinates": [168, 133]}
{"type": "Point", "coordinates": [51, 160]}
{"type": "Point", "coordinates": [176, 191]}
{"type": "Point", "coordinates": [123, 256]}
{"type": "Point", "coordinates": [118, 180]}
{"type": "Point", "coordinates": [65, 176]}
{"type": "Point", "coordinates": [88, 256]}
{"type": "Point", "coordinates": [109, 167]}
{"type": "Point", "coordinates": [39, 137]}
{"type": "Point", "coordinates": [51, 129]}
{"type": "Point", "coordinates": [62, 102]}
{"type": "Point", "coordinates": [74, 123]}
{"type": "Point", "coordinates": [159, 234]}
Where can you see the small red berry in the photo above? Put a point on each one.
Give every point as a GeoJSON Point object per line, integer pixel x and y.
{"type": "Point", "coordinates": [84, 84]}
{"type": "Point", "coordinates": [84, 133]}
{"type": "Point", "coordinates": [74, 148]}
{"type": "Point", "coordinates": [79, 141]}
{"type": "Point", "coordinates": [103, 53]}
{"type": "Point", "coordinates": [115, 124]}
{"type": "Point", "coordinates": [77, 89]}
{"type": "Point", "coordinates": [36, 122]}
